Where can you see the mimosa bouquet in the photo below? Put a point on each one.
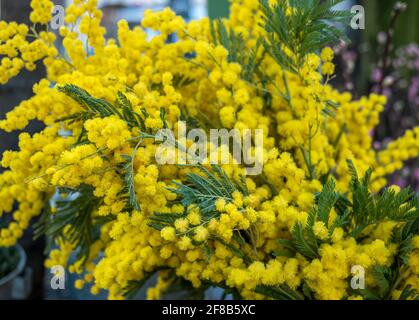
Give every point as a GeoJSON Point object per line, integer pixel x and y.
{"type": "Point", "coordinates": [310, 206]}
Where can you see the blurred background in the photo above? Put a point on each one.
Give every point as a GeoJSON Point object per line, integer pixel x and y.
{"type": "Point", "coordinates": [383, 58]}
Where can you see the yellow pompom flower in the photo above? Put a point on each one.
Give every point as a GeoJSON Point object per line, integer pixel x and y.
{"type": "Point", "coordinates": [320, 230]}
{"type": "Point", "coordinates": [328, 68]}
{"type": "Point", "coordinates": [41, 11]}
{"type": "Point", "coordinates": [168, 233]}
{"type": "Point", "coordinates": [327, 54]}
{"type": "Point", "coordinates": [201, 234]}
{"type": "Point", "coordinates": [182, 225]}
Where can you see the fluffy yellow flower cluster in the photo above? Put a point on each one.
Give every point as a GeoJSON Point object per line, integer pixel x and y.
{"type": "Point", "coordinates": [18, 52]}
{"type": "Point", "coordinates": [328, 67]}
{"type": "Point", "coordinates": [41, 11]}
{"type": "Point", "coordinates": [125, 217]}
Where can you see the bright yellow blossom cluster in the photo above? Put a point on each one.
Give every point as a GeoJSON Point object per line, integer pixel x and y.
{"type": "Point", "coordinates": [41, 11]}
{"type": "Point", "coordinates": [328, 68]}
{"type": "Point", "coordinates": [18, 52]}
{"type": "Point", "coordinates": [103, 101]}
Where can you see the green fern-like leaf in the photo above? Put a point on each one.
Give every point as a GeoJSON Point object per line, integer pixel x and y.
{"type": "Point", "coordinates": [300, 27]}
{"type": "Point", "coordinates": [100, 108]}
{"type": "Point", "coordinates": [132, 118]}
{"type": "Point", "coordinates": [402, 236]}
{"type": "Point", "coordinates": [384, 276]}
{"type": "Point", "coordinates": [305, 241]}
{"type": "Point", "coordinates": [237, 251]}
{"type": "Point", "coordinates": [222, 35]}
{"type": "Point", "coordinates": [129, 183]}
{"type": "Point", "coordinates": [95, 107]}
{"type": "Point", "coordinates": [369, 209]}
{"type": "Point", "coordinates": [73, 219]}
{"type": "Point", "coordinates": [180, 80]}
{"type": "Point", "coordinates": [303, 237]}
{"type": "Point", "coordinates": [326, 201]}
{"type": "Point", "coordinates": [204, 189]}
{"type": "Point", "coordinates": [409, 293]}
{"type": "Point", "coordinates": [159, 220]}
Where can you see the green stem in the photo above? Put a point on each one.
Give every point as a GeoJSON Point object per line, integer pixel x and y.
{"type": "Point", "coordinates": [287, 95]}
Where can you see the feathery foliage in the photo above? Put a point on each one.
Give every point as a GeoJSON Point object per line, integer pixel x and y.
{"type": "Point", "coordinates": [369, 209]}
{"type": "Point", "coordinates": [205, 189]}
{"type": "Point", "coordinates": [200, 190]}
{"type": "Point", "coordinates": [326, 201]}
{"type": "Point", "coordinates": [236, 251]}
{"type": "Point", "coordinates": [300, 28]}
{"type": "Point", "coordinates": [409, 293]}
{"type": "Point", "coordinates": [303, 238]}
{"type": "Point", "coordinates": [236, 47]}
{"type": "Point", "coordinates": [159, 220]}
{"type": "Point", "coordinates": [355, 216]}
{"type": "Point", "coordinates": [128, 193]}
{"type": "Point", "coordinates": [403, 236]}
{"type": "Point", "coordinates": [94, 107]}
{"type": "Point", "coordinates": [180, 80]}
{"type": "Point", "coordinates": [365, 209]}
{"type": "Point", "coordinates": [100, 108]}
{"type": "Point", "coordinates": [330, 108]}
{"type": "Point", "coordinates": [72, 220]}
{"type": "Point", "coordinates": [390, 278]}
{"type": "Point", "coordinates": [132, 118]}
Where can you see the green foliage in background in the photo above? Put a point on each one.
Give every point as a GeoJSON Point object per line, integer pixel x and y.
{"type": "Point", "coordinates": [218, 8]}
{"type": "Point", "coordinates": [378, 13]}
